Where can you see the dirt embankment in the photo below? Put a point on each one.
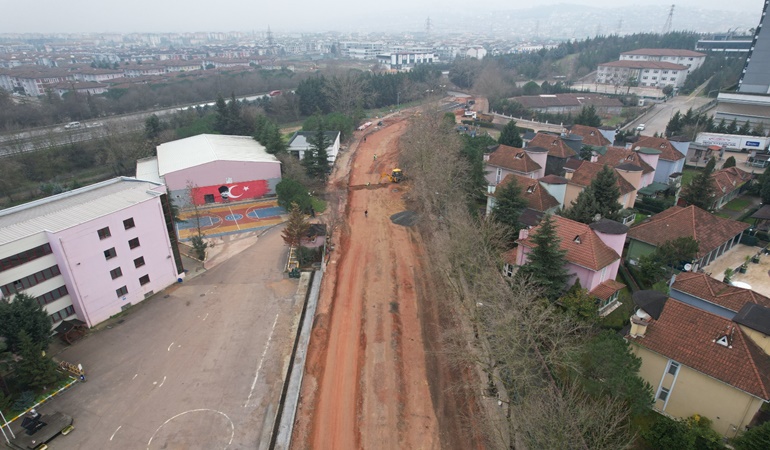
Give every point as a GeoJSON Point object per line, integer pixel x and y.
{"type": "Point", "coordinates": [374, 376]}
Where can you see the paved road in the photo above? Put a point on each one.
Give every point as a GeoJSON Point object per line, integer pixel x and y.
{"type": "Point", "coordinates": [199, 369]}
{"type": "Point", "coordinates": [656, 119]}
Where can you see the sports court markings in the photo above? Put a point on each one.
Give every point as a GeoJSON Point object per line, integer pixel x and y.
{"type": "Point", "coordinates": [205, 221]}
{"type": "Point", "coordinates": [264, 213]}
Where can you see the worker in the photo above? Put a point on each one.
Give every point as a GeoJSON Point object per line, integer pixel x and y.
{"type": "Point", "coordinates": [366, 213]}
{"type": "Point", "coordinates": [375, 156]}
{"type": "Point", "coordinates": [364, 138]}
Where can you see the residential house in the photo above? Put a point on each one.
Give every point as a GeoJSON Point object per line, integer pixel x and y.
{"type": "Point", "coordinates": [670, 159]}
{"type": "Point", "coordinates": [503, 160]}
{"type": "Point", "coordinates": [559, 150]}
{"type": "Point", "coordinates": [619, 157]}
{"type": "Point", "coordinates": [698, 362]}
{"type": "Point", "coordinates": [592, 254]}
{"type": "Point", "coordinates": [703, 292]}
{"type": "Point", "coordinates": [591, 136]}
{"type": "Point", "coordinates": [299, 144]}
{"type": "Point", "coordinates": [82, 87]}
{"type": "Point", "coordinates": [714, 235]}
{"type": "Point", "coordinates": [539, 200]}
{"type": "Point", "coordinates": [586, 171]}
{"type": "Point", "coordinates": [729, 183]}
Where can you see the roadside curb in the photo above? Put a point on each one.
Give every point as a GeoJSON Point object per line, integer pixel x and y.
{"type": "Point", "coordinates": [50, 396]}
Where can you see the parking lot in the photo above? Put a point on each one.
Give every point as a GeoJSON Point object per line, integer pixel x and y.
{"type": "Point", "coordinates": [198, 366]}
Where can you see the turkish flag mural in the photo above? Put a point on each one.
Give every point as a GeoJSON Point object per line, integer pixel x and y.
{"type": "Point", "coordinates": [230, 192]}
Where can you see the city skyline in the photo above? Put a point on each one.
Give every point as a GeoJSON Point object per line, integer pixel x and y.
{"type": "Point", "coordinates": [343, 15]}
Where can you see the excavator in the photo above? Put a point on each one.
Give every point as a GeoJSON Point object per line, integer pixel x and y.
{"type": "Point", "coordinates": [395, 176]}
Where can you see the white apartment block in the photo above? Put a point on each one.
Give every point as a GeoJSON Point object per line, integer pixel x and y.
{"type": "Point", "coordinates": [645, 73]}
{"type": "Point", "coordinates": [406, 60]}
{"type": "Point", "coordinates": [688, 58]}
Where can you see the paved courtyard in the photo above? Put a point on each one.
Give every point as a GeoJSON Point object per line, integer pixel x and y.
{"type": "Point", "coordinates": [198, 366]}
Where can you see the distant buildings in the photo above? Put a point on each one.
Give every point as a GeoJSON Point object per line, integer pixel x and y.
{"type": "Point", "coordinates": [406, 60]}
{"type": "Point", "coordinates": [569, 103]}
{"type": "Point", "coordinates": [688, 58]}
{"type": "Point", "coordinates": [299, 144]}
{"type": "Point", "coordinates": [653, 67]}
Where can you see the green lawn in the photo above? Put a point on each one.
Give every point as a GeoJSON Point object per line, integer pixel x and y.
{"type": "Point", "coordinates": [737, 204]}
{"type": "Point", "coordinates": [688, 175]}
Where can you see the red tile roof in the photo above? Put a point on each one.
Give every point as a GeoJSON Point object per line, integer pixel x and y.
{"type": "Point", "coordinates": [591, 135]}
{"type": "Point", "coordinates": [587, 171]}
{"type": "Point", "coordinates": [509, 257]}
{"type": "Point", "coordinates": [706, 288]}
{"type": "Point", "coordinates": [730, 179]}
{"type": "Point", "coordinates": [687, 335]}
{"type": "Point", "coordinates": [538, 198]}
{"type": "Point", "coordinates": [513, 158]}
{"type": "Point", "coordinates": [709, 230]}
{"type": "Point", "coordinates": [584, 248]}
{"type": "Point", "coordinates": [554, 144]}
{"type": "Point", "coordinates": [606, 289]}
{"type": "Point", "coordinates": [615, 156]}
{"type": "Point", "coordinates": [640, 64]}
{"type": "Point", "coordinates": [668, 151]}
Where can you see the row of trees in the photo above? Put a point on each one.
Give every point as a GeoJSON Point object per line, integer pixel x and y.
{"type": "Point", "coordinates": [545, 361]}
{"type": "Point", "coordinates": [690, 124]}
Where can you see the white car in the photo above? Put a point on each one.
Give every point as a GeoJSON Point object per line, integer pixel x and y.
{"type": "Point", "coordinates": [640, 127]}
{"type": "Point", "coordinates": [72, 125]}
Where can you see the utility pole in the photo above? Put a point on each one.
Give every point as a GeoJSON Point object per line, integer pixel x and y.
{"type": "Point", "coordinates": [667, 26]}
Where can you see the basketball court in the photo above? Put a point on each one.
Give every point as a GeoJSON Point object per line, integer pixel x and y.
{"type": "Point", "coordinates": [223, 219]}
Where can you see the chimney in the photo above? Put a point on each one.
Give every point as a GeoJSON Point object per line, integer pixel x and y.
{"type": "Point", "coordinates": [524, 233]}
{"type": "Point", "coordinates": [486, 157]}
{"type": "Point", "coordinates": [639, 322]}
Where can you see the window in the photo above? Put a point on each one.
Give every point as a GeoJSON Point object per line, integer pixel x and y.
{"type": "Point", "coordinates": [673, 368]}
{"type": "Point", "coordinates": [144, 280]}
{"type": "Point", "coordinates": [121, 292]}
{"type": "Point", "coordinates": [133, 243]}
{"type": "Point", "coordinates": [129, 223]}
{"type": "Point", "coordinates": [208, 198]}
{"type": "Point", "coordinates": [110, 253]}
{"type": "Point", "coordinates": [24, 257]}
{"type": "Point", "coordinates": [663, 394]}
{"type": "Point", "coordinates": [29, 281]}
{"type": "Point", "coordinates": [58, 316]}
{"type": "Point", "coordinates": [49, 297]}
{"type": "Point", "coordinates": [104, 233]}
{"type": "Point", "coordinates": [508, 270]}
{"type": "Point", "coordinates": [139, 262]}
{"type": "Point", "coordinates": [116, 273]}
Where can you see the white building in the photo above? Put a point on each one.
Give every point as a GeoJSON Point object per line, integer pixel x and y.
{"type": "Point", "coordinates": [405, 61]}
{"type": "Point", "coordinates": [688, 58]}
{"type": "Point", "coordinates": [92, 252]}
{"type": "Point", "coordinates": [299, 144]}
{"type": "Point", "coordinates": [645, 73]}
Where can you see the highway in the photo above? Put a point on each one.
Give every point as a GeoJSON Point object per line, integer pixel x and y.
{"type": "Point", "coordinates": [57, 135]}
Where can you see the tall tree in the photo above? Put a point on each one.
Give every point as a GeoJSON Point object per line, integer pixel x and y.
{"type": "Point", "coordinates": [546, 262]}
{"type": "Point", "coordinates": [732, 127]}
{"type": "Point", "coordinates": [510, 135]}
{"type": "Point", "coordinates": [25, 314]}
{"type": "Point", "coordinates": [701, 190]}
{"type": "Point", "coordinates": [584, 208]}
{"type": "Point", "coordinates": [588, 117]}
{"type": "Point", "coordinates": [317, 160]}
{"type": "Point", "coordinates": [34, 370]}
{"type": "Point", "coordinates": [745, 129]}
{"type": "Point", "coordinates": [509, 204]}
{"type": "Point", "coordinates": [605, 187]}
{"type": "Point", "coordinates": [729, 162]}
{"type": "Point", "coordinates": [152, 128]}
{"type": "Point", "coordinates": [296, 227]}
{"type": "Point", "coordinates": [222, 117]}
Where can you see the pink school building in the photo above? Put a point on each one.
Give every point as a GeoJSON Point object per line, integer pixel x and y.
{"type": "Point", "coordinates": [92, 252]}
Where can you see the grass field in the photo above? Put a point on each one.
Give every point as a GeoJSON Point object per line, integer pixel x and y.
{"type": "Point", "coordinates": [737, 204]}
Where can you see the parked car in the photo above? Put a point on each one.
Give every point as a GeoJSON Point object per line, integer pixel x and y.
{"type": "Point", "coordinates": [640, 127]}
{"type": "Point", "coordinates": [72, 125]}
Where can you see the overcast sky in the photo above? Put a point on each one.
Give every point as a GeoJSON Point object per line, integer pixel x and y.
{"type": "Point", "coordinates": [280, 15]}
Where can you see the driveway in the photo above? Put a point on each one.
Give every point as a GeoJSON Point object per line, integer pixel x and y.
{"type": "Point", "coordinates": [200, 365]}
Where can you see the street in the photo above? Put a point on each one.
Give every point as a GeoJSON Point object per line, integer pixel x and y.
{"type": "Point", "coordinates": [656, 119]}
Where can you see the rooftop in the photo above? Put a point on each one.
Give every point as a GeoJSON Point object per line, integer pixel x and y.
{"type": "Point", "coordinates": [667, 150]}
{"type": "Point", "coordinates": [205, 148]}
{"type": "Point", "coordinates": [713, 291]}
{"type": "Point", "coordinates": [591, 135]}
{"type": "Point", "coordinates": [587, 171]}
{"type": "Point", "coordinates": [555, 145]}
{"type": "Point", "coordinates": [512, 158]}
{"type": "Point", "coordinates": [537, 197]}
{"type": "Point", "coordinates": [640, 64]}
{"type": "Point", "coordinates": [65, 210]}
{"type": "Point", "coordinates": [664, 52]}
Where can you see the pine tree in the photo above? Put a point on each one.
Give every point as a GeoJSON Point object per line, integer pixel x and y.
{"type": "Point", "coordinates": [510, 135]}
{"type": "Point", "coordinates": [732, 128]}
{"type": "Point", "coordinates": [222, 118]}
{"type": "Point", "coordinates": [729, 162]}
{"type": "Point", "coordinates": [606, 192]}
{"type": "Point", "coordinates": [296, 227]}
{"type": "Point", "coordinates": [509, 204]}
{"type": "Point", "coordinates": [745, 129]}
{"type": "Point", "coordinates": [34, 370]}
{"type": "Point", "coordinates": [545, 263]}
{"type": "Point", "coordinates": [24, 313]}
{"type": "Point", "coordinates": [701, 190]}
{"type": "Point", "coordinates": [584, 208]}
{"type": "Point", "coordinates": [318, 164]}
{"type": "Point", "coordinates": [588, 117]}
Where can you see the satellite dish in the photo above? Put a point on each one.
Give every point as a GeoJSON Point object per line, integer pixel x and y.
{"type": "Point", "coordinates": [687, 267]}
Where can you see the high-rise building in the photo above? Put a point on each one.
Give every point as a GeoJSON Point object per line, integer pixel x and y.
{"type": "Point", "coordinates": [756, 73]}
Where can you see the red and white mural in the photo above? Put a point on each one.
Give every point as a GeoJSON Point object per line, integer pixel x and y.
{"type": "Point", "coordinates": [230, 192]}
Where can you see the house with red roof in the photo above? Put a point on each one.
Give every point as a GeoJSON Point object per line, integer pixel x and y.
{"type": "Point", "coordinates": [503, 160]}
{"type": "Point", "coordinates": [584, 172]}
{"type": "Point", "coordinates": [644, 159]}
{"type": "Point", "coordinates": [559, 149]}
{"type": "Point", "coordinates": [670, 159]}
{"type": "Point", "coordinates": [539, 199]}
{"type": "Point", "coordinates": [728, 184]}
{"type": "Point", "coordinates": [591, 135]}
{"type": "Point", "coordinates": [592, 253]}
{"type": "Point", "coordinates": [714, 235]}
{"type": "Point", "coordinates": [699, 362]}
{"type": "Point", "coordinates": [709, 294]}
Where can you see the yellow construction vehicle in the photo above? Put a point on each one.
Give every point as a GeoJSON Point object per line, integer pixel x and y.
{"type": "Point", "coordinates": [395, 176]}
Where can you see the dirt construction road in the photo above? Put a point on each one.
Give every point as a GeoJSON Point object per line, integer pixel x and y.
{"type": "Point", "coordinates": [366, 381]}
